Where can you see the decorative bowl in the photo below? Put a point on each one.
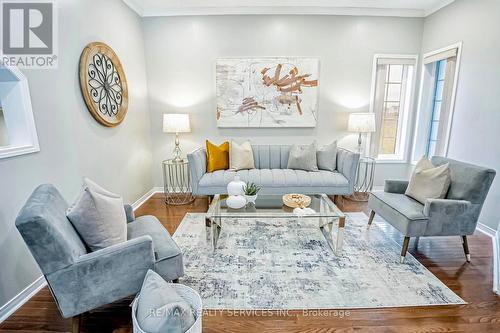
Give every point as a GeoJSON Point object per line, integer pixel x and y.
{"type": "Point", "coordinates": [296, 200]}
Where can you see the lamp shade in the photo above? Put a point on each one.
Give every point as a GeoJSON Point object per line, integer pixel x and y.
{"type": "Point", "coordinates": [361, 122]}
{"type": "Point", "coordinates": [176, 123]}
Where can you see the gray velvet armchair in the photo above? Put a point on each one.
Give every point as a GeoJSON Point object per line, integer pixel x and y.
{"type": "Point", "coordinates": [80, 280]}
{"type": "Point", "coordinates": [455, 215]}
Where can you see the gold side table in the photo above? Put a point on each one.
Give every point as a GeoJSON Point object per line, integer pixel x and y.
{"type": "Point", "coordinates": [177, 182]}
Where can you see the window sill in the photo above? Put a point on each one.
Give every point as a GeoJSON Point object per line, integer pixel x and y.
{"type": "Point", "coordinates": [388, 161]}
{"type": "Point", "coordinates": [8, 151]}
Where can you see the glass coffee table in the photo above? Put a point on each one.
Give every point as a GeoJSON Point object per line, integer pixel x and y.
{"type": "Point", "coordinates": [272, 207]}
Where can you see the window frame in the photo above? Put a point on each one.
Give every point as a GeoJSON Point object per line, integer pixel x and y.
{"type": "Point", "coordinates": [424, 99]}
{"type": "Point", "coordinates": [434, 101]}
{"type": "Point", "coordinates": [25, 123]}
{"type": "Point", "coordinates": [408, 107]}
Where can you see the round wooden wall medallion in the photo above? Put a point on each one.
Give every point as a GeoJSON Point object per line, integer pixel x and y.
{"type": "Point", "coordinates": [103, 84]}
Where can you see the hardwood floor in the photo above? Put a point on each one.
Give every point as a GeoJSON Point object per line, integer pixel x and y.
{"type": "Point", "coordinates": [442, 256]}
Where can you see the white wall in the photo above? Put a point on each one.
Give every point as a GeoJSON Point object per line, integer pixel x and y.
{"type": "Point", "coordinates": [181, 54]}
{"type": "Point", "coordinates": [475, 131]}
{"type": "Point", "coordinates": [72, 143]}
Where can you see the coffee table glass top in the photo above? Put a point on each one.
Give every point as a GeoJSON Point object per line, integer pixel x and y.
{"type": "Point", "coordinates": [272, 206]}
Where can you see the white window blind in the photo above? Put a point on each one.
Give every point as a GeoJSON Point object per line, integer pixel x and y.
{"type": "Point", "coordinates": [395, 61]}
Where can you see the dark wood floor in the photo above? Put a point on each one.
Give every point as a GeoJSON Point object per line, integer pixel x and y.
{"type": "Point", "coordinates": [442, 256]}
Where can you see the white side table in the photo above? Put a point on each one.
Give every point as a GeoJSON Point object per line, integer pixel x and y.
{"type": "Point", "coordinates": [177, 182]}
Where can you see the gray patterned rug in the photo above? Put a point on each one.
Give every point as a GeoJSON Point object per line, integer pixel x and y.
{"type": "Point", "coordinates": [287, 264]}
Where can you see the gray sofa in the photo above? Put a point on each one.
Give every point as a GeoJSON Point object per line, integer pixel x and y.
{"type": "Point", "coordinates": [80, 280]}
{"type": "Point", "coordinates": [272, 175]}
{"type": "Point", "coordinates": [455, 215]}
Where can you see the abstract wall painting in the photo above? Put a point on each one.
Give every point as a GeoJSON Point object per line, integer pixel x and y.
{"type": "Point", "coordinates": [267, 92]}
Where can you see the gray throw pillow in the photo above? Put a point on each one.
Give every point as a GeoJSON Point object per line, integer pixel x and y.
{"type": "Point", "coordinates": [327, 157]}
{"type": "Point", "coordinates": [303, 157]}
{"type": "Point", "coordinates": [99, 217]}
{"type": "Point", "coordinates": [160, 309]}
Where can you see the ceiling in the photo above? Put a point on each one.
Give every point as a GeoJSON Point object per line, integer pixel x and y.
{"type": "Point", "coordinates": [402, 8]}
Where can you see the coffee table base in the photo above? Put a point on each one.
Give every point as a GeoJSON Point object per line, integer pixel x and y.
{"type": "Point", "coordinates": [326, 228]}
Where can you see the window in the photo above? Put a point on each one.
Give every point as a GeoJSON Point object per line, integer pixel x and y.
{"type": "Point", "coordinates": [392, 95]}
{"type": "Point", "coordinates": [17, 126]}
{"type": "Point", "coordinates": [436, 108]}
{"type": "Point", "coordinates": [438, 86]}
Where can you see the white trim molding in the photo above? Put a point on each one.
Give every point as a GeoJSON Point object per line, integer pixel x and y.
{"type": "Point", "coordinates": [139, 202]}
{"type": "Point", "coordinates": [496, 262]}
{"type": "Point", "coordinates": [18, 115]}
{"type": "Point", "coordinates": [495, 242]}
{"type": "Point", "coordinates": [405, 126]}
{"type": "Point", "coordinates": [483, 228]}
{"type": "Point", "coordinates": [15, 303]}
{"type": "Point", "coordinates": [154, 8]}
{"type": "Point", "coordinates": [423, 100]}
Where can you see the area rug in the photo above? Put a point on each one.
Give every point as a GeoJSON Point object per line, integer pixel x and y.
{"type": "Point", "coordinates": [287, 264]}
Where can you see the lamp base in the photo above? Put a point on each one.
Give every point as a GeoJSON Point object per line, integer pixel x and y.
{"type": "Point", "coordinates": [177, 150]}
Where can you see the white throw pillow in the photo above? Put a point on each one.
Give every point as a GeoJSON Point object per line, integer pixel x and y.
{"type": "Point", "coordinates": [99, 216]}
{"type": "Point", "coordinates": [428, 181]}
{"type": "Point", "coordinates": [241, 156]}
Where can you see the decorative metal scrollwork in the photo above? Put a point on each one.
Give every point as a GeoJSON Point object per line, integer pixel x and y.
{"type": "Point", "coordinates": [103, 84]}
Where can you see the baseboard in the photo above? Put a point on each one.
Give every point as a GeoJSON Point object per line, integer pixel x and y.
{"type": "Point", "coordinates": [159, 189]}
{"type": "Point", "coordinates": [488, 231]}
{"type": "Point", "coordinates": [496, 264]}
{"type": "Point", "coordinates": [15, 303]}
{"type": "Point", "coordinates": [139, 202]}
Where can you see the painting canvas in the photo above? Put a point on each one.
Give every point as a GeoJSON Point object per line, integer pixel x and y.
{"type": "Point", "coordinates": [267, 92]}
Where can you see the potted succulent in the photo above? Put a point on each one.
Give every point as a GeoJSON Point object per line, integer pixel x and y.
{"type": "Point", "coordinates": [250, 191]}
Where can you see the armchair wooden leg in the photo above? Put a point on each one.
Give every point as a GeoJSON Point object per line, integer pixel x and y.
{"type": "Point", "coordinates": [370, 219]}
{"type": "Point", "coordinates": [406, 242]}
{"type": "Point", "coordinates": [76, 323]}
{"type": "Point", "coordinates": [466, 248]}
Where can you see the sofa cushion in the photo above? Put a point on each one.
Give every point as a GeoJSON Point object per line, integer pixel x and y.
{"type": "Point", "coordinates": [275, 178]}
{"type": "Point", "coordinates": [404, 213]}
{"type": "Point", "coordinates": [164, 246]}
{"type": "Point", "coordinates": [407, 206]}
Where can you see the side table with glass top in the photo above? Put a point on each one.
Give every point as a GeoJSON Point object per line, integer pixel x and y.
{"type": "Point", "coordinates": [177, 182]}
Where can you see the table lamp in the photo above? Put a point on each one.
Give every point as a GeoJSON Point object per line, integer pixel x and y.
{"type": "Point", "coordinates": [176, 123]}
{"type": "Point", "coordinates": [361, 123]}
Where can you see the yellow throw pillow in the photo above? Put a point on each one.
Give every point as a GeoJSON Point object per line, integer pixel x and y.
{"type": "Point", "coordinates": [217, 156]}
